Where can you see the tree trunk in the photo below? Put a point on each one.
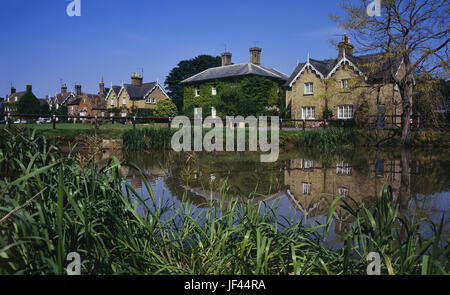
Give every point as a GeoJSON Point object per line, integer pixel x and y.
{"type": "Point", "coordinates": [407, 93]}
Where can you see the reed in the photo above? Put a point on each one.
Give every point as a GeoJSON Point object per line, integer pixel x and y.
{"type": "Point", "coordinates": [52, 205]}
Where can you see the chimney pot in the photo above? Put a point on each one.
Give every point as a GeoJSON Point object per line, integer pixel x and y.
{"type": "Point", "coordinates": [136, 80]}
{"type": "Point", "coordinates": [345, 45]}
{"type": "Point", "coordinates": [29, 87]}
{"type": "Point", "coordinates": [255, 55]}
{"type": "Point", "coordinates": [77, 90]}
{"type": "Point", "coordinates": [63, 88]}
{"type": "Point", "coordinates": [226, 59]}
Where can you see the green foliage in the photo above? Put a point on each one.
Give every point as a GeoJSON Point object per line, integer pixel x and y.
{"type": "Point", "coordinates": [249, 95]}
{"type": "Point", "coordinates": [65, 206]}
{"type": "Point", "coordinates": [327, 138]}
{"type": "Point", "coordinates": [28, 104]}
{"type": "Point", "coordinates": [62, 110]}
{"type": "Point", "coordinates": [165, 108]}
{"type": "Point", "coordinates": [147, 139]}
{"type": "Point", "coordinates": [184, 70]}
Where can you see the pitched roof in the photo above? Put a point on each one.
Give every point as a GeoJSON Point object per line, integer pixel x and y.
{"type": "Point", "coordinates": [139, 92]}
{"type": "Point", "coordinates": [74, 101]}
{"type": "Point", "coordinates": [365, 63]}
{"type": "Point", "coordinates": [60, 98]}
{"type": "Point", "coordinates": [236, 70]}
{"type": "Point", "coordinates": [16, 96]}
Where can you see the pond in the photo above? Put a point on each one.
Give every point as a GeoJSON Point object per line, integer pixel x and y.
{"type": "Point", "coordinates": [303, 183]}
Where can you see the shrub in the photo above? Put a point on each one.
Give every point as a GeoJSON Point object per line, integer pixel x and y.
{"type": "Point", "coordinates": [165, 108]}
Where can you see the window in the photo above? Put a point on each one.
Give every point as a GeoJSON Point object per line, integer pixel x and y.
{"type": "Point", "coordinates": [306, 188]}
{"type": "Point", "coordinates": [197, 91]}
{"type": "Point", "coordinates": [148, 101]}
{"type": "Point", "coordinates": [308, 113]}
{"type": "Point", "coordinates": [344, 84]}
{"type": "Point", "coordinates": [342, 191]}
{"type": "Point", "coordinates": [124, 114]}
{"type": "Point", "coordinates": [345, 112]}
{"type": "Point", "coordinates": [309, 88]}
{"type": "Point", "coordinates": [124, 101]}
{"type": "Point", "coordinates": [103, 114]}
{"type": "Point", "coordinates": [306, 164]}
{"type": "Point", "coordinates": [154, 100]}
{"type": "Point", "coordinates": [112, 102]}
{"type": "Point", "coordinates": [343, 169]}
{"type": "Point", "coordinates": [214, 90]}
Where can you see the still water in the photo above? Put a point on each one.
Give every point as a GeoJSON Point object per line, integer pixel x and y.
{"type": "Point", "coordinates": [302, 183]}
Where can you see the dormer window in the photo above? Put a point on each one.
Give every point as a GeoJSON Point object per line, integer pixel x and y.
{"type": "Point", "coordinates": [309, 88]}
{"type": "Point", "coordinates": [112, 102]}
{"type": "Point", "coordinates": [197, 91]}
{"type": "Point", "coordinates": [124, 101]}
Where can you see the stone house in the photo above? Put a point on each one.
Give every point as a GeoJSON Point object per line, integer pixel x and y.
{"type": "Point", "coordinates": [350, 86]}
{"type": "Point", "coordinates": [200, 89]}
{"type": "Point", "coordinates": [127, 99]}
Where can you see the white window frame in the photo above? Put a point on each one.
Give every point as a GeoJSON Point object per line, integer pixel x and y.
{"type": "Point", "coordinates": [343, 169]}
{"type": "Point", "coordinates": [124, 101]}
{"type": "Point", "coordinates": [345, 111]}
{"type": "Point", "coordinates": [124, 115]}
{"type": "Point", "coordinates": [306, 164]}
{"type": "Point", "coordinates": [197, 91]}
{"type": "Point", "coordinates": [343, 191]}
{"type": "Point", "coordinates": [213, 90]}
{"type": "Point", "coordinates": [148, 101]}
{"type": "Point", "coordinates": [306, 188]}
{"type": "Point", "coordinates": [309, 88]}
{"type": "Point", "coordinates": [103, 114]}
{"type": "Point", "coordinates": [112, 102]}
{"type": "Point", "coordinates": [308, 113]}
{"type": "Point", "coordinates": [344, 83]}
{"type": "Point", "coordinates": [154, 100]}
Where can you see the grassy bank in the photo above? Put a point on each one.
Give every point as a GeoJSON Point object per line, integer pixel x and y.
{"type": "Point", "coordinates": [51, 205]}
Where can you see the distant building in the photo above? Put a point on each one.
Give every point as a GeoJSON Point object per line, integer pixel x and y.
{"type": "Point", "coordinates": [128, 98]}
{"type": "Point", "coordinates": [85, 104]}
{"type": "Point", "coordinates": [10, 105]}
{"type": "Point", "coordinates": [61, 99]}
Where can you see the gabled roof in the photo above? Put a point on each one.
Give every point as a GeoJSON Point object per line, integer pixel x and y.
{"type": "Point", "coordinates": [137, 92]}
{"type": "Point", "coordinates": [372, 66]}
{"type": "Point", "coordinates": [18, 95]}
{"type": "Point", "coordinates": [61, 98]}
{"type": "Point", "coordinates": [236, 70]}
{"type": "Point", "coordinates": [74, 101]}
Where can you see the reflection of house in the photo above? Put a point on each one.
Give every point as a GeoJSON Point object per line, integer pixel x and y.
{"type": "Point", "coordinates": [313, 189]}
{"type": "Point", "coordinates": [338, 82]}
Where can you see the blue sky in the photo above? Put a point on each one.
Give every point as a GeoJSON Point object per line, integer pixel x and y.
{"type": "Point", "coordinates": [41, 44]}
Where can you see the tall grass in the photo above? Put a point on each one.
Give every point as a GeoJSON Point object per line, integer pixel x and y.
{"type": "Point", "coordinates": [327, 138]}
{"type": "Point", "coordinates": [52, 205]}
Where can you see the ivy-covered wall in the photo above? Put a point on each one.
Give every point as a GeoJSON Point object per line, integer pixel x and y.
{"type": "Point", "coordinates": [236, 93]}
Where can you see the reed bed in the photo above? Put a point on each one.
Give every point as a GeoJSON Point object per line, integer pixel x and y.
{"type": "Point", "coordinates": [51, 205]}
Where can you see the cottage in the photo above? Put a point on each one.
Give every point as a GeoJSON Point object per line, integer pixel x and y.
{"type": "Point", "coordinates": [128, 98]}
{"type": "Point", "coordinates": [340, 88]}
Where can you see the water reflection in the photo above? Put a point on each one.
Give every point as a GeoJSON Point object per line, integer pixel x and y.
{"type": "Point", "coordinates": [305, 182]}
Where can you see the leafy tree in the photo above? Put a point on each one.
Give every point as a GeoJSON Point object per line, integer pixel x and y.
{"type": "Point", "coordinates": [414, 32]}
{"type": "Point", "coordinates": [165, 108]}
{"type": "Point", "coordinates": [28, 104]}
{"type": "Point", "coordinates": [184, 70]}
{"type": "Point", "coordinates": [44, 109]}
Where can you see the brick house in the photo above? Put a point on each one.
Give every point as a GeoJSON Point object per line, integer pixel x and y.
{"type": "Point", "coordinates": [126, 99]}
{"type": "Point", "coordinates": [346, 85]}
{"type": "Point", "coordinates": [85, 104]}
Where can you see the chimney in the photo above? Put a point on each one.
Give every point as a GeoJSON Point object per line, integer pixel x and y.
{"type": "Point", "coordinates": [63, 88]}
{"type": "Point", "coordinates": [102, 87]}
{"type": "Point", "coordinates": [29, 88]}
{"type": "Point", "coordinates": [77, 90]}
{"type": "Point", "coordinates": [255, 55]}
{"type": "Point", "coordinates": [345, 45]}
{"type": "Point", "coordinates": [226, 59]}
{"type": "Point", "coordinates": [136, 79]}
{"type": "Point", "coordinates": [13, 90]}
